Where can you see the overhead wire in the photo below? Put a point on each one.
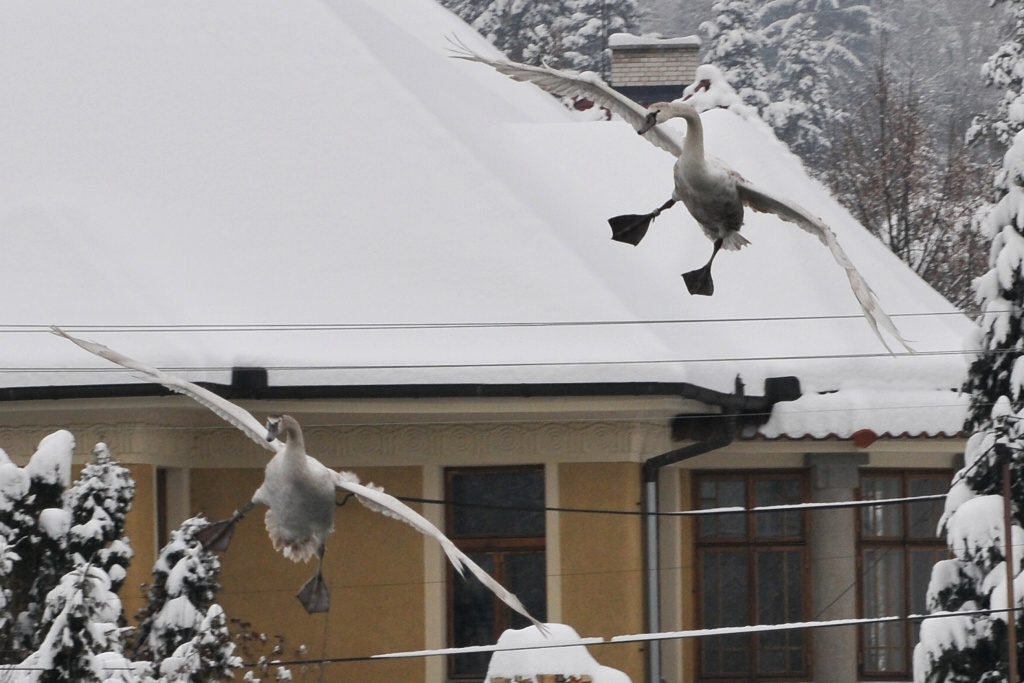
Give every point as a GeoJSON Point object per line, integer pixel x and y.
{"type": "Point", "coordinates": [307, 327]}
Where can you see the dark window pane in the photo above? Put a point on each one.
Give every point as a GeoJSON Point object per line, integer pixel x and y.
{"type": "Point", "coordinates": [779, 586]}
{"type": "Point", "coordinates": [718, 494]}
{"type": "Point", "coordinates": [925, 514]}
{"type": "Point", "coordinates": [778, 491]}
{"type": "Point", "coordinates": [883, 520]}
{"type": "Point", "coordinates": [474, 623]}
{"type": "Point", "coordinates": [494, 491]}
{"type": "Point", "coordinates": [724, 588]}
{"type": "Point", "coordinates": [883, 595]}
{"type": "Point", "coordinates": [526, 576]}
{"type": "Point", "coordinates": [751, 572]}
{"type": "Point", "coordinates": [780, 600]}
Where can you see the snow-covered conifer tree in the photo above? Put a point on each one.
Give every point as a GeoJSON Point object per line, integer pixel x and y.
{"type": "Point", "coordinates": [79, 623]}
{"type": "Point", "coordinates": [811, 47]}
{"type": "Point", "coordinates": [98, 503]}
{"type": "Point", "coordinates": [569, 34]}
{"type": "Point", "coordinates": [973, 648]}
{"type": "Point", "coordinates": [180, 621]}
{"type": "Point", "coordinates": [41, 544]}
{"type": "Point", "coordinates": [1005, 70]}
{"type": "Point", "coordinates": [734, 43]}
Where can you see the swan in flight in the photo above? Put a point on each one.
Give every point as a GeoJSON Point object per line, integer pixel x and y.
{"type": "Point", "coordinates": [714, 194]}
{"type": "Point", "coordinates": [298, 490]}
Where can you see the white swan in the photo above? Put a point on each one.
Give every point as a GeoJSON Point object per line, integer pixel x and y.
{"type": "Point", "coordinates": [713, 193]}
{"type": "Point", "coordinates": [298, 490]}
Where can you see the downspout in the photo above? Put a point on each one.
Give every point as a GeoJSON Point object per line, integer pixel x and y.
{"type": "Point", "coordinates": [651, 468]}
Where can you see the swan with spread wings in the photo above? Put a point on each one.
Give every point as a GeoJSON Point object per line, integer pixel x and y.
{"type": "Point", "coordinates": [298, 490]}
{"type": "Point", "coordinates": [714, 194]}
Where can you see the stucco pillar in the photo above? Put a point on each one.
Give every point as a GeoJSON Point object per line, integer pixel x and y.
{"type": "Point", "coordinates": [833, 557]}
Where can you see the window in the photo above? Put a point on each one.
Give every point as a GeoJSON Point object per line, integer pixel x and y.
{"type": "Point", "coordinates": [752, 569]}
{"type": "Point", "coordinates": [898, 548]}
{"type": "Point", "coordinates": [487, 521]}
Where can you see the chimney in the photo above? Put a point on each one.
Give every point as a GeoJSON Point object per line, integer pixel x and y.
{"type": "Point", "coordinates": [650, 70]}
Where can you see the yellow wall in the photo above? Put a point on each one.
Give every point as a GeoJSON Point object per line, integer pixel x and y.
{"type": "Point", "coordinates": [601, 558]}
{"type": "Point", "coordinates": [373, 566]}
{"type": "Point", "coordinates": [140, 526]}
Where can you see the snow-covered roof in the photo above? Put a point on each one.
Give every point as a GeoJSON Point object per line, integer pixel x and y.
{"type": "Point", "coordinates": [315, 187]}
{"type": "Point", "coordinates": [627, 40]}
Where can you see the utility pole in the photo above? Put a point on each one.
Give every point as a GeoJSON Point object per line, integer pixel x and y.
{"type": "Point", "coordinates": [1011, 625]}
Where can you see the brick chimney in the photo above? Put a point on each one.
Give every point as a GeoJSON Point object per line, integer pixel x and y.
{"type": "Point", "coordinates": [651, 70]}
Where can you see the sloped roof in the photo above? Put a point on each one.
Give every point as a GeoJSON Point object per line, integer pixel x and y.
{"type": "Point", "coordinates": [316, 188]}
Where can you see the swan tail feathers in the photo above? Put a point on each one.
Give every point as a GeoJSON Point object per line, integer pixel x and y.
{"type": "Point", "coordinates": [734, 241]}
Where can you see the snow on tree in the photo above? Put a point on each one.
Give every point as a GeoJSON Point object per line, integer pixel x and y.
{"type": "Point", "coordinates": [735, 44]}
{"type": "Point", "coordinates": [79, 623]}
{"type": "Point", "coordinates": [207, 656]}
{"type": "Point", "coordinates": [181, 630]}
{"type": "Point", "coordinates": [973, 648]}
{"type": "Point", "coordinates": [920, 195]}
{"type": "Point", "coordinates": [98, 503]}
{"type": "Point", "coordinates": [812, 47]}
{"type": "Point", "coordinates": [565, 33]}
{"type": "Point", "coordinates": [39, 537]}
{"type": "Point", "coordinates": [1005, 70]}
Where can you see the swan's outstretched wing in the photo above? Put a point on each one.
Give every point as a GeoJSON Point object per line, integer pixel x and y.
{"type": "Point", "coordinates": [568, 83]}
{"type": "Point", "coordinates": [759, 200]}
{"type": "Point", "coordinates": [374, 498]}
{"type": "Point", "coordinates": [225, 409]}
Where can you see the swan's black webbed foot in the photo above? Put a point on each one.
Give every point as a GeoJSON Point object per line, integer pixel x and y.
{"type": "Point", "coordinates": [217, 536]}
{"type": "Point", "coordinates": [314, 595]}
{"type": "Point", "coordinates": [630, 228]}
{"type": "Point", "coordinates": [699, 281]}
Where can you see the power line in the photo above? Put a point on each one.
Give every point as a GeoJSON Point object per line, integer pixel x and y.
{"type": "Point", "coordinates": [636, 638]}
{"type": "Point", "coordinates": [331, 327]}
{"type": "Point", "coordinates": [521, 364]}
{"type": "Point", "coordinates": [682, 513]}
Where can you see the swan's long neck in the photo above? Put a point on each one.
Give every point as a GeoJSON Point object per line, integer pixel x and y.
{"type": "Point", "coordinates": [295, 445]}
{"type": "Point", "coordinates": [693, 145]}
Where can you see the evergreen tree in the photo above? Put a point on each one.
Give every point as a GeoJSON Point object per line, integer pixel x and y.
{"type": "Point", "coordinates": [812, 47]}
{"type": "Point", "coordinates": [41, 543]}
{"type": "Point", "coordinates": [973, 648]}
{"type": "Point", "coordinates": [79, 623]}
{"type": "Point", "coordinates": [569, 34]}
{"type": "Point", "coordinates": [98, 503]}
{"type": "Point", "coordinates": [735, 44]}
{"type": "Point", "coordinates": [1005, 70]}
{"type": "Point", "coordinates": [181, 630]}
{"type": "Point", "coordinates": [207, 656]}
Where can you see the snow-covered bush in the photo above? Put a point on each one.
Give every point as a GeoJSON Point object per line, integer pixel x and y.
{"type": "Point", "coordinates": [180, 621]}
{"type": "Point", "coordinates": [79, 623]}
{"type": "Point", "coordinates": [63, 557]}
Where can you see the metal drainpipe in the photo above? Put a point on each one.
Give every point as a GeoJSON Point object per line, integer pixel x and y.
{"type": "Point", "coordinates": [651, 468]}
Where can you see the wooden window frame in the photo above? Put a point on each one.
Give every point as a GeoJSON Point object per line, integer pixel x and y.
{"type": "Point", "coordinates": [501, 545]}
{"type": "Point", "coordinates": [904, 544]}
{"type": "Point", "coordinates": [753, 544]}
